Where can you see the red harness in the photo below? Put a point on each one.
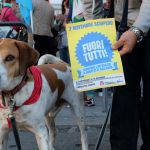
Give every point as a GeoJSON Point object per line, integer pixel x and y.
{"type": "Point", "coordinates": [36, 72]}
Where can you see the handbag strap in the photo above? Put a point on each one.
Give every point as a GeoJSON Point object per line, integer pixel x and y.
{"type": "Point", "coordinates": [124, 21]}
{"type": "Point", "coordinates": [111, 10]}
{"type": "Point", "coordinates": [2, 18]}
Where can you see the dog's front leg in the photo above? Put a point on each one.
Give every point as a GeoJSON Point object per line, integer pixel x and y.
{"type": "Point", "coordinates": [42, 137]}
{"type": "Point", "coordinates": [4, 131]}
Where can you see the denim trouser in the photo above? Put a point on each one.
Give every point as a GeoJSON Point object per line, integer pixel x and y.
{"type": "Point", "coordinates": [64, 54]}
{"type": "Point", "coordinates": [129, 111]}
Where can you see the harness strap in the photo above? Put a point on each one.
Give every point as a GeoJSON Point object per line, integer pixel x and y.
{"type": "Point", "coordinates": [3, 16]}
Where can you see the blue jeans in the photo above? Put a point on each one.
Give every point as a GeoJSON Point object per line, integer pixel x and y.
{"type": "Point", "coordinates": [64, 54]}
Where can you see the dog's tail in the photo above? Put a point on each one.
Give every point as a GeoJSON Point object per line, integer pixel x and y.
{"type": "Point", "coordinates": [49, 59]}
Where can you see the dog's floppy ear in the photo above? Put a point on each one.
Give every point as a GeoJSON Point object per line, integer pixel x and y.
{"type": "Point", "coordinates": [27, 55]}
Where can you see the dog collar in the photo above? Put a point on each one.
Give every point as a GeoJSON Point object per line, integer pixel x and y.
{"type": "Point", "coordinates": [17, 88]}
{"type": "Point", "coordinates": [36, 72]}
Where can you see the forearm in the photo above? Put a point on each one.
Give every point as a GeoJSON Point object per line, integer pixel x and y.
{"type": "Point", "coordinates": [143, 20]}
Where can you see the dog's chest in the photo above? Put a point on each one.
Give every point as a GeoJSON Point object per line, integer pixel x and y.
{"type": "Point", "coordinates": [3, 114]}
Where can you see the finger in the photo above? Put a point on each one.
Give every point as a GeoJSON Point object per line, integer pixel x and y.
{"type": "Point", "coordinates": [118, 44]}
{"type": "Point", "coordinates": [124, 51]}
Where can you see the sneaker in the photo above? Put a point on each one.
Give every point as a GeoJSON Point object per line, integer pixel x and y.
{"type": "Point", "coordinates": [68, 106]}
{"type": "Point", "coordinates": [89, 102]}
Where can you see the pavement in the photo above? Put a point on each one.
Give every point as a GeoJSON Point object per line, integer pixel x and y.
{"type": "Point", "coordinates": [68, 135]}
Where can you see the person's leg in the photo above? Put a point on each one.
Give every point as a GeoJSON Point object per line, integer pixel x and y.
{"type": "Point", "coordinates": [45, 45]}
{"type": "Point", "coordinates": [145, 108]}
{"type": "Point", "coordinates": [89, 98]}
{"type": "Point", "coordinates": [67, 55]}
{"type": "Point", "coordinates": [124, 121]}
{"type": "Point", "coordinates": [52, 46]}
{"type": "Point", "coordinates": [64, 54]}
{"type": "Point", "coordinates": [36, 41]}
{"type": "Point", "coordinates": [49, 45]}
{"type": "Point", "coordinates": [39, 44]}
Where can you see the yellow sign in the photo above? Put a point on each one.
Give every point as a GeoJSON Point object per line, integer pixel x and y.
{"type": "Point", "coordinates": [94, 64]}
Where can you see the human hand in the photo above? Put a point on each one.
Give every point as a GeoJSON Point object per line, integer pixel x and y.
{"type": "Point", "coordinates": [60, 17]}
{"type": "Point", "coordinates": [126, 42]}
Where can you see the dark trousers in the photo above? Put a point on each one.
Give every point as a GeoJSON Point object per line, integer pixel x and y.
{"type": "Point", "coordinates": [64, 54]}
{"type": "Point", "coordinates": [45, 44]}
{"type": "Point", "coordinates": [130, 112]}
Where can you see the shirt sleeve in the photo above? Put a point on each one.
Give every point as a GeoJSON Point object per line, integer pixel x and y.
{"type": "Point", "coordinates": [143, 19]}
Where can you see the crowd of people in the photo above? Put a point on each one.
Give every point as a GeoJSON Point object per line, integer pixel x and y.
{"type": "Point", "coordinates": [130, 111]}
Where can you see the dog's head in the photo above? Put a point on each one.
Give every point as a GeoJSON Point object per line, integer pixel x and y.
{"type": "Point", "coordinates": [15, 58]}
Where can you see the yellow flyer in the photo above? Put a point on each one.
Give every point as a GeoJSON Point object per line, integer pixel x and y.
{"type": "Point", "coordinates": [93, 62]}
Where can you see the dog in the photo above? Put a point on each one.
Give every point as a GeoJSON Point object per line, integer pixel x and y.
{"type": "Point", "coordinates": [38, 92]}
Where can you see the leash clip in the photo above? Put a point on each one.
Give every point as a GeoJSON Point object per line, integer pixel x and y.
{"type": "Point", "coordinates": [11, 106]}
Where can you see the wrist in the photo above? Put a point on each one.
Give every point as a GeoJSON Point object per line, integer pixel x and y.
{"type": "Point", "coordinates": [138, 33]}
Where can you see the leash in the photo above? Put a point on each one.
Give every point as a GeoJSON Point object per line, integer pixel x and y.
{"type": "Point", "coordinates": [101, 135]}
{"type": "Point", "coordinates": [12, 107]}
{"type": "Point", "coordinates": [36, 72]}
{"type": "Point", "coordinates": [12, 123]}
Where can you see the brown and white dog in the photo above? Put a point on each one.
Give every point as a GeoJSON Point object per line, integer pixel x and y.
{"type": "Point", "coordinates": [39, 92]}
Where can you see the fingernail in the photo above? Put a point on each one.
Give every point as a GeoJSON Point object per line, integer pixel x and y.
{"type": "Point", "coordinates": [113, 47]}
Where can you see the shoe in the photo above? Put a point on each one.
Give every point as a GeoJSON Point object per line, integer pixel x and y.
{"type": "Point", "coordinates": [89, 102]}
{"type": "Point", "coordinates": [68, 106]}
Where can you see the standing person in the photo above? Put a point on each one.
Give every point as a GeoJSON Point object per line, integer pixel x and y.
{"type": "Point", "coordinates": [8, 15]}
{"type": "Point", "coordinates": [62, 36]}
{"type": "Point", "coordinates": [43, 19]}
{"type": "Point", "coordinates": [16, 10]}
{"type": "Point", "coordinates": [92, 9]}
{"type": "Point", "coordinates": [129, 111]}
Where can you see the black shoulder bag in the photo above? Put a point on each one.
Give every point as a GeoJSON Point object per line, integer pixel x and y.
{"type": "Point", "coordinates": [124, 21]}
{"type": "Point", "coordinates": [123, 26]}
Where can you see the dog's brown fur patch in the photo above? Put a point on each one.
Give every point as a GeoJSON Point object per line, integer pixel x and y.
{"type": "Point", "coordinates": [50, 76]}
{"type": "Point", "coordinates": [59, 66]}
{"type": "Point", "coordinates": [61, 87]}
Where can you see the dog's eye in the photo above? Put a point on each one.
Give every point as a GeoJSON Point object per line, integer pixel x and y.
{"type": "Point", "coordinates": [9, 58]}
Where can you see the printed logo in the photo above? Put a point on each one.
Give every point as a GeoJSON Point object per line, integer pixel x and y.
{"type": "Point", "coordinates": [94, 48]}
